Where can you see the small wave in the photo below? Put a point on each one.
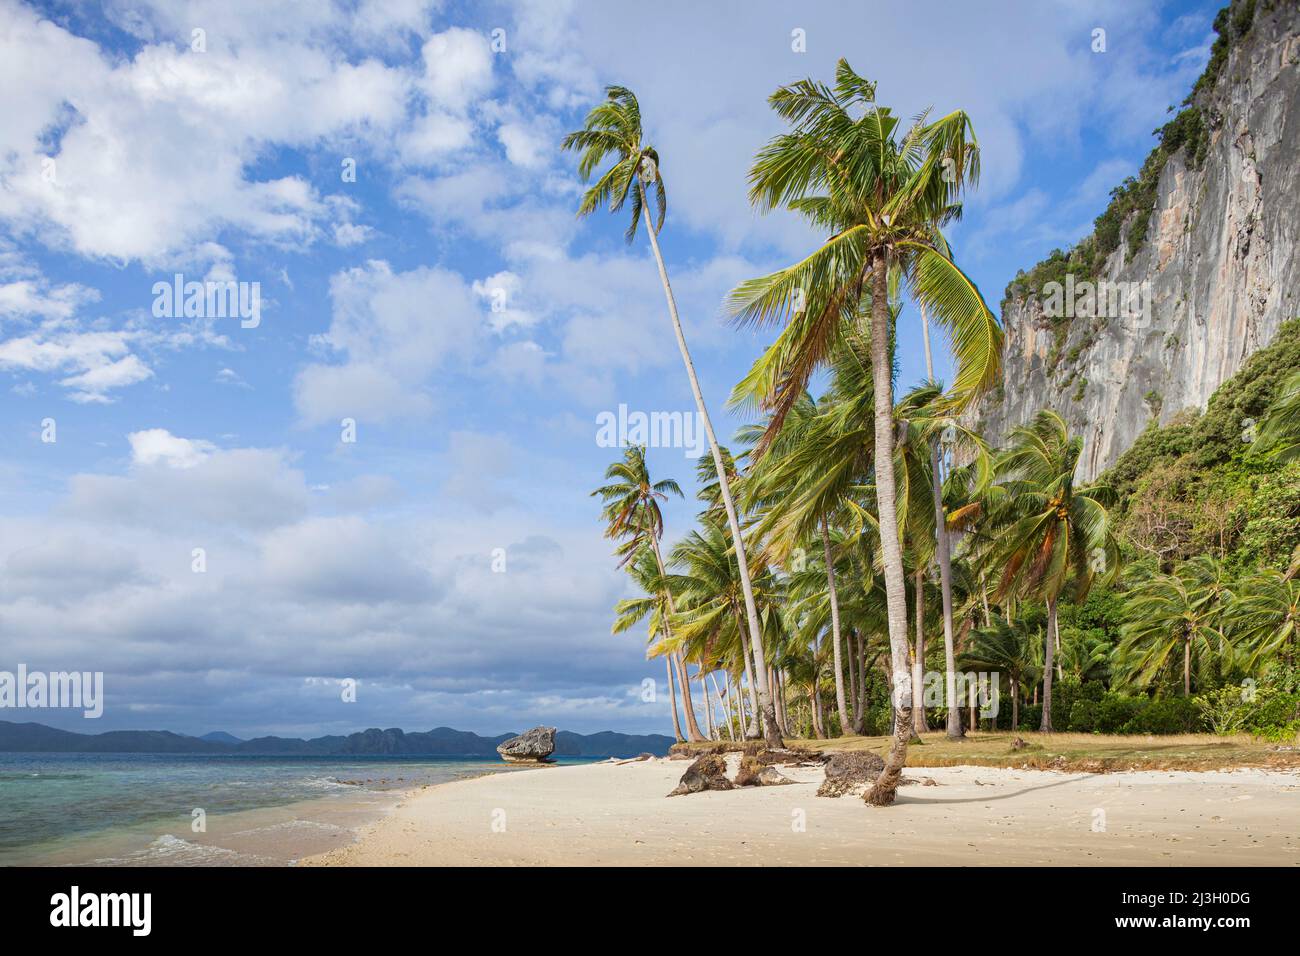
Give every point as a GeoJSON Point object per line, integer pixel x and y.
{"type": "Point", "coordinates": [171, 850]}
{"type": "Point", "coordinates": [293, 825]}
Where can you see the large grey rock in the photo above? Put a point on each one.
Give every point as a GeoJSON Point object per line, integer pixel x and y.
{"type": "Point", "coordinates": [847, 769]}
{"type": "Point", "coordinates": [1221, 254]}
{"type": "Point", "coordinates": [707, 773]}
{"type": "Point", "coordinates": [532, 746]}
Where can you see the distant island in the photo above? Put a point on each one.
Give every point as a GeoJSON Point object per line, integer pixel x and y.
{"type": "Point", "coordinates": [441, 742]}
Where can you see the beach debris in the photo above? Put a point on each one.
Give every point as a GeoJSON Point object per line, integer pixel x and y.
{"type": "Point", "coordinates": [848, 769]}
{"type": "Point", "coordinates": [707, 773]}
{"type": "Point", "coordinates": [755, 771]}
{"type": "Point", "coordinates": [532, 746]}
{"type": "Point", "coordinates": [637, 759]}
{"type": "Point", "coordinates": [750, 768]}
{"type": "Point", "coordinates": [794, 758]}
{"type": "Point", "coordinates": [771, 777]}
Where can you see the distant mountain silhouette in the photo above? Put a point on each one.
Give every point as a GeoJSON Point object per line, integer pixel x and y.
{"type": "Point", "coordinates": [221, 737]}
{"type": "Point", "coordinates": [441, 741]}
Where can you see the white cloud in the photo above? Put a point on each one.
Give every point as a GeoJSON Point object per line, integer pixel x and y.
{"type": "Point", "coordinates": [457, 68]}
{"type": "Point", "coordinates": [156, 446]}
{"type": "Point", "coordinates": [152, 152]}
{"type": "Point", "coordinates": [99, 362]}
{"type": "Point", "coordinates": [348, 234]}
{"type": "Point", "coordinates": [27, 298]}
{"type": "Point", "coordinates": [392, 330]}
{"type": "Point", "coordinates": [523, 146]}
{"type": "Point", "coordinates": [502, 293]}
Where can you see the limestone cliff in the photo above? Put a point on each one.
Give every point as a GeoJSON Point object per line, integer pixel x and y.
{"type": "Point", "coordinates": [1212, 224]}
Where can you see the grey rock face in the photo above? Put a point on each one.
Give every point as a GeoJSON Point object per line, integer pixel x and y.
{"type": "Point", "coordinates": [532, 746]}
{"type": "Point", "coordinates": [1222, 256]}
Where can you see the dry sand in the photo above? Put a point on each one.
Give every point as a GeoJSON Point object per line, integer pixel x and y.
{"type": "Point", "coordinates": [608, 814]}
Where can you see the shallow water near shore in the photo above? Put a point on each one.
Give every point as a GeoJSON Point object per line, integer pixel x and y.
{"type": "Point", "coordinates": [139, 809]}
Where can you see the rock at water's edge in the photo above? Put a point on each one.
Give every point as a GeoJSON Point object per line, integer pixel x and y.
{"type": "Point", "coordinates": [532, 746]}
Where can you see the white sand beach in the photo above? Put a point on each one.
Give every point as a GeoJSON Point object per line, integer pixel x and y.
{"type": "Point", "coordinates": [609, 814]}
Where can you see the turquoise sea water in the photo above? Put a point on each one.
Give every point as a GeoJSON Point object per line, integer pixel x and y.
{"type": "Point", "coordinates": [122, 809]}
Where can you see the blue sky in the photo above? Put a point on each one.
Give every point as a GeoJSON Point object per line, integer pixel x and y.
{"type": "Point", "coordinates": [475, 427]}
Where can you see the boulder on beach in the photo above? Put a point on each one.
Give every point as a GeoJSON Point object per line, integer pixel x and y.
{"type": "Point", "coordinates": [847, 769]}
{"type": "Point", "coordinates": [756, 772]}
{"type": "Point", "coordinates": [750, 768]}
{"type": "Point", "coordinates": [532, 746]}
{"type": "Point", "coordinates": [707, 773]}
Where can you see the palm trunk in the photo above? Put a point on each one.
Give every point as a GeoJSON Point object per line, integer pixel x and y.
{"type": "Point", "coordinates": [1015, 701]}
{"type": "Point", "coordinates": [1045, 725]}
{"type": "Point", "coordinates": [770, 730]}
{"type": "Point", "coordinates": [944, 547]}
{"type": "Point", "coordinates": [851, 643]}
{"type": "Point", "coordinates": [815, 700]}
{"type": "Point", "coordinates": [781, 690]}
{"type": "Point", "coordinates": [672, 697]}
{"type": "Point", "coordinates": [1187, 666]}
{"type": "Point", "coordinates": [886, 785]}
{"type": "Point", "coordinates": [919, 726]}
{"type": "Point", "coordinates": [692, 727]}
{"type": "Point", "coordinates": [751, 728]}
{"type": "Point", "coordinates": [1056, 632]}
{"type": "Point", "coordinates": [835, 628]}
{"type": "Point", "coordinates": [863, 670]}
{"type": "Point", "coordinates": [734, 706]}
{"type": "Point", "coordinates": [709, 728]}
{"type": "Point", "coordinates": [943, 550]}
{"type": "Point", "coordinates": [722, 705]}
{"type": "Point", "coordinates": [688, 704]}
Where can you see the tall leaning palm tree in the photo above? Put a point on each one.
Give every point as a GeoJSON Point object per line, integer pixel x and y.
{"type": "Point", "coordinates": [1052, 536]}
{"type": "Point", "coordinates": [632, 516]}
{"type": "Point", "coordinates": [613, 128]}
{"type": "Point", "coordinates": [883, 198]}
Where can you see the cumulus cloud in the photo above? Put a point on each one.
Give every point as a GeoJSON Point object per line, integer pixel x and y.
{"type": "Point", "coordinates": [392, 330]}
{"type": "Point", "coordinates": [157, 446]}
{"type": "Point", "coordinates": [96, 362]}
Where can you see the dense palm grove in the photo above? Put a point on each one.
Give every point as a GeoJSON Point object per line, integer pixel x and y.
{"type": "Point", "coordinates": [858, 553]}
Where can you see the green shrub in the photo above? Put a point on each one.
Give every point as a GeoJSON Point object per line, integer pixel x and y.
{"type": "Point", "coordinates": [1083, 716]}
{"type": "Point", "coordinates": [1031, 715]}
{"type": "Point", "coordinates": [1167, 715]}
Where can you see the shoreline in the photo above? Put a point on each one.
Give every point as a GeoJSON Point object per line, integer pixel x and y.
{"type": "Point", "coordinates": [619, 814]}
{"type": "Point", "coordinates": [243, 827]}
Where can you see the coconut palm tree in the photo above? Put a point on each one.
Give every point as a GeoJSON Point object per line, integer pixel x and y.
{"type": "Point", "coordinates": [1172, 614]}
{"type": "Point", "coordinates": [883, 199]}
{"type": "Point", "coordinates": [1279, 432]}
{"type": "Point", "coordinates": [1049, 534]}
{"type": "Point", "coordinates": [1003, 646]}
{"type": "Point", "coordinates": [1085, 655]}
{"type": "Point", "coordinates": [1168, 614]}
{"type": "Point", "coordinates": [1264, 619]}
{"type": "Point", "coordinates": [613, 128]}
{"type": "Point", "coordinates": [653, 608]}
{"type": "Point", "coordinates": [709, 622]}
{"type": "Point", "coordinates": [633, 517]}
{"type": "Point", "coordinates": [779, 485]}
